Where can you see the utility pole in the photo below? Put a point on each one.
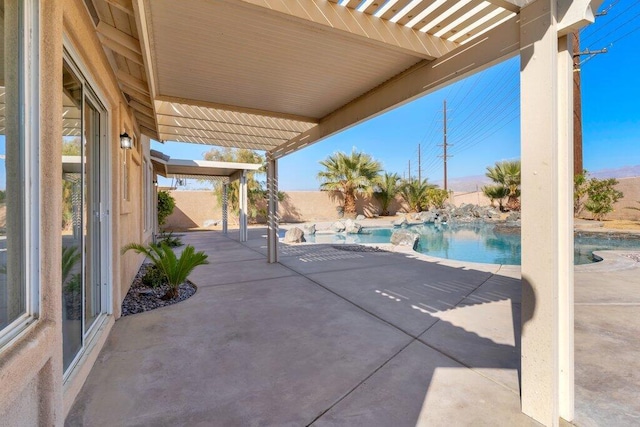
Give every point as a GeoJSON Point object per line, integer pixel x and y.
{"type": "Point", "coordinates": [419, 166]}
{"type": "Point", "coordinates": [577, 107]}
{"type": "Point", "coordinates": [409, 170]}
{"type": "Point", "coordinates": [444, 143]}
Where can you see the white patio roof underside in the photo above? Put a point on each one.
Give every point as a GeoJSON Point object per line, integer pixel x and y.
{"type": "Point", "coordinates": [278, 75]}
{"type": "Point", "coordinates": [199, 169]}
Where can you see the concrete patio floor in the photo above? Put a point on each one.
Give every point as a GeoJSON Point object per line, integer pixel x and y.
{"type": "Point", "coordinates": [335, 336]}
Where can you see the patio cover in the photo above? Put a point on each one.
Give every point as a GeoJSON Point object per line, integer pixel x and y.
{"type": "Point", "coordinates": [279, 75]}
{"type": "Point", "coordinates": [202, 169]}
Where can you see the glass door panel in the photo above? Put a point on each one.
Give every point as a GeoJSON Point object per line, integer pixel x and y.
{"type": "Point", "coordinates": [92, 284]}
{"type": "Point", "coordinates": [82, 144]}
{"type": "Point", "coordinates": [73, 216]}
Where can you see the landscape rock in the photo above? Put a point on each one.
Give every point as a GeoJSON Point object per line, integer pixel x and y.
{"type": "Point", "coordinates": [360, 217]}
{"type": "Point", "coordinates": [352, 227]}
{"type": "Point", "coordinates": [338, 226]}
{"type": "Point", "coordinates": [405, 238]}
{"type": "Point", "coordinates": [402, 222]}
{"type": "Point", "coordinates": [513, 216]}
{"type": "Point", "coordinates": [309, 229]}
{"type": "Point", "coordinates": [294, 235]}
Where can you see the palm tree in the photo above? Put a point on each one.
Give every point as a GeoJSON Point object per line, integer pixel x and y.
{"type": "Point", "coordinates": [416, 194]}
{"type": "Point", "coordinates": [386, 190]}
{"type": "Point", "coordinates": [495, 192]}
{"type": "Point", "coordinates": [349, 174]}
{"type": "Point", "coordinates": [175, 270]}
{"type": "Point", "coordinates": [507, 174]}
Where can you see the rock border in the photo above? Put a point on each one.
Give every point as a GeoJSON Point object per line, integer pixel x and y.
{"type": "Point", "coordinates": [141, 298]}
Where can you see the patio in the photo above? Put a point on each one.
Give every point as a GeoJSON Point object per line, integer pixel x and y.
{"type": "Point", "coordinates": [333, 335]}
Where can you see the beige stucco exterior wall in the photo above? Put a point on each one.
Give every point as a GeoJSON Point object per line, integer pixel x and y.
{"type": "Point", "coordinates": [33, 392]}
{"type": "Point", "coordinates": [195, 208]}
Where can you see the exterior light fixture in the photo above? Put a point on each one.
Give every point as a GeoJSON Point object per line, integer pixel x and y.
{"type": "Point", "coordinates": [125, 141]}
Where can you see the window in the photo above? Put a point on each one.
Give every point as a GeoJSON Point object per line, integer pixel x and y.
{"type": "Point", "coordinates": [19, 222]}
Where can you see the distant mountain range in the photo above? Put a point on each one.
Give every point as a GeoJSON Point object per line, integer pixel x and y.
{"type": "Point", "coordinates": [475, 182]}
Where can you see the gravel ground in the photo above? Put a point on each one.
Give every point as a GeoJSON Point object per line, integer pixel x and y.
{"type": "Point", "coordinates": [142, 298]}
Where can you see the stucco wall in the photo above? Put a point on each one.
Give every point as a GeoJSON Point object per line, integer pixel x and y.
{"type": "Point", "coordinates": [195, 208]}
{"type": "Point", "coordinates": [32, 391]}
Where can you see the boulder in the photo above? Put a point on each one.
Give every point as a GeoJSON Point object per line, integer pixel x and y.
{"type": "Point", "coordinates": [294, 235]}
{"type": "Point", "coordinates": [401, 222]}
{"type": "Point", "coordinates": [513, 216]}
{"type": "Point", "coordinates": [309, 229]}
{"type": "Point", "coordinates": [353, 228]}
{"type": "Point", "coordinates": [405, 238]}
{"type": "Point", "coordinates": [360, 217]}
{"type": "Point", "coordinates": [338, 226]}
{"type": "Point", "coordinates": [427, 217]}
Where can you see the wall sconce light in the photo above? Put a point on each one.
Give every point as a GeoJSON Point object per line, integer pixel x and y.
{"type": "Point", "coordinates": [125, 141]}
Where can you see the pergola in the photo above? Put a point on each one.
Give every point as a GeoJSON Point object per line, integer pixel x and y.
{"type": "Point", "coordinates": [225, 172]}
{"type": "Point", "coordinates": [279, 75]}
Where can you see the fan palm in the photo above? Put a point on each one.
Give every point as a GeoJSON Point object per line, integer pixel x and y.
{"type": "Point", "coordinates": [386, 190]}
{"type": "Point", "coordinates": [495, 192]}
{"type": "Point", "coordinates": [176, 270]}
{"type": "Point", "coordinates": [507, 174]}
{"type": "Point", "coordinates": [349, 174]}
{"type": "Point", "coordinates": [416, 194]}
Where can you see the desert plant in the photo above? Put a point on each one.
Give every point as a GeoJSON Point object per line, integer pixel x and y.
{"type": "Point", "coordinates": [507, 174]}
{"type": "Point", "coordinates": [602, 195]}
{"type": "Point", "coordinates": [170, 240]}
{"type": "Point", "coordinates": [70, 257]}
{"type": "Point", "coordinates": [496, 193]}
{"type": "Point", "coordinates": [256, 189]}
{"type": "Point", "coordinates": [415, 193]}
{"type": "Point", "coordinates": [166, 204]}
{"type": "Point", "coordinates": [349, 174]}
{"type": "Point", "coordinates": [153, 277]}
{"type": "Point", "coordinates": [436, 197]}
{"type": "Point", "coordinates": [580, 187]}
{"type": "Point", "coordinates": [386, 190]}
{"type": "Point", "coordinates": [175, 270]}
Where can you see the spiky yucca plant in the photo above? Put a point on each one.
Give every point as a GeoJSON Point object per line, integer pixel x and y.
{"type": "Point", "coordinates": [176, 270]}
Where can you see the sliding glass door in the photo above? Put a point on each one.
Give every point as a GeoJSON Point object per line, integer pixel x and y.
{"type": "Point", "coordinates": [83, 212]}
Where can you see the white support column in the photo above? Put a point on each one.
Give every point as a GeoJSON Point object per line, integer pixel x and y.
{"type": "Point", "coordinates": [272, 214]}
{"type": "Point", "coordinates": [225, 207]}
{"type": "Point", "coordinates": [565, 212]}
{"type": "Point", "coordinates": [547, 217]}
{"type": "Point", "coordinates": [243, 207]}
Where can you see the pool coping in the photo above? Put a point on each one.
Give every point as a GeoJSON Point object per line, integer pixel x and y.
{"type": "Point", "coordinates": [611, 260]}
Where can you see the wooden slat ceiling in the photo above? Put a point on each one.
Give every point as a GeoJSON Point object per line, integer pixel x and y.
{"type": "Point", "coordinates": [116, 27]}
{"type": "Point", "coordinates": [258, 73]}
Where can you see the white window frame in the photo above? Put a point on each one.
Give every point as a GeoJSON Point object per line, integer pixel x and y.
{"type": "Point", "coordinates": [94, 92]}
{"type": "Point", "coordinates": [30, 111]}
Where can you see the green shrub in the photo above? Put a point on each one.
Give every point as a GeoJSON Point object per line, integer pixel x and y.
{"type": "Point", "coordinates": [166, 204]}
{"type": "Point", "coordinates": [437, 197]}
{"type": "Point", "coordinates": [174, 269]}
{"type": "Point", "coordinates": [602, 196]}
{"type": "Point", "coordinates": [153, 277]}
{"type": "Point", "coordinates": [170, 240]}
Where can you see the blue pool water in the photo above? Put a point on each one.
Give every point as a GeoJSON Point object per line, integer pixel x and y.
{"type": "Point", "coordinates": [484, 243]}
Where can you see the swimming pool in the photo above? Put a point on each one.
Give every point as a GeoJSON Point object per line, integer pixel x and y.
{"type": "Point", "coordinates": [485, 243]}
